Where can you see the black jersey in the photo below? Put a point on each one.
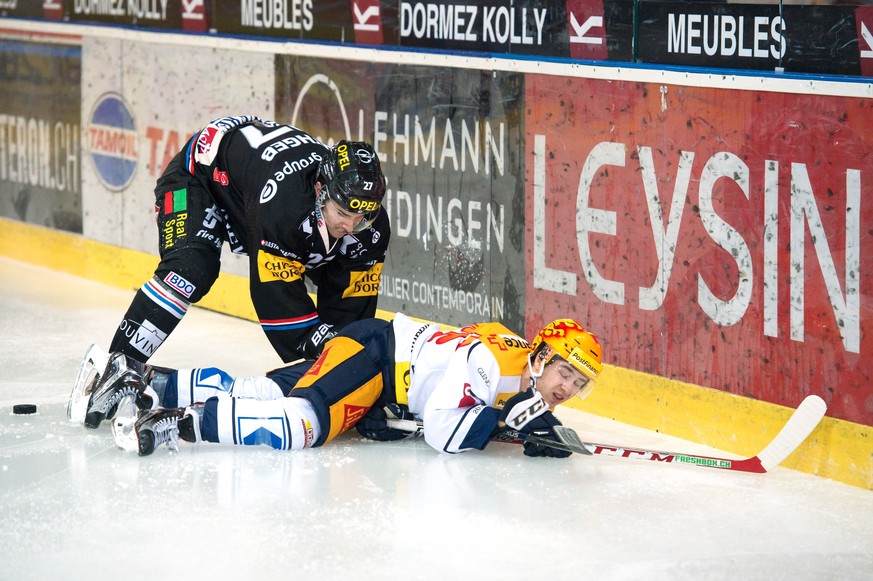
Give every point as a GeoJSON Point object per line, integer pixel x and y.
{"type": "Point", "coordinates": [262, 176]}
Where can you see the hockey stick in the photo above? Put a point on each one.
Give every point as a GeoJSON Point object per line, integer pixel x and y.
{"type": "Point", "coordinates": [569, 441]}
{"type": "Point", "coordinates": [801, 423]}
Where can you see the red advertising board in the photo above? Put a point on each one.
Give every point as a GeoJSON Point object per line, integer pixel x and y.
{"type": "Point", "coordinates": [586, 28]}
{"type": "Point", "coordinates": [864, 25]}
{"type": "Point", "coordinates": [367, 21]}
{"type": "Point", "coordinates": [718, 237]}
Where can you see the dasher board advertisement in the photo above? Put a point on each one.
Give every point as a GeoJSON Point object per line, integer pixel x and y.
{"type": "Point", "coordinates": [450, 143]}
{"type": "Point", "coordinates": [721, 238]}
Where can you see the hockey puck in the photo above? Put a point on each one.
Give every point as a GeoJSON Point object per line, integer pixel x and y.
{"type": "Point", "coordinates": [24, 408]}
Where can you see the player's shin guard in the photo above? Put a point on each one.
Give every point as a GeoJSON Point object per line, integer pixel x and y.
{"type": "Point", "coordinates": [284, 424]}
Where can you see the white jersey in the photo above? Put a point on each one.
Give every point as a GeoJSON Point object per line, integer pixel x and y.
{"type": "Point", "coordinates": [457, 380]}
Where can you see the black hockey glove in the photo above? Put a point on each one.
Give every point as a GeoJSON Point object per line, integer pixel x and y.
{"type": "Point", "coordinates": [529, 413]}
{"type": "Point", "coordinates": [522, 408]}
{"type": "Point", "coordinates": [311, 345]}
{"type": "Point", "coordinates": [374, 425]}
{"type": "Point", "coordinates": [542, 427]}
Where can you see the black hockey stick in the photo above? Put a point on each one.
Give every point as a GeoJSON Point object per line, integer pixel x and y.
{"type": "Point", "coordinates": [801, 423]}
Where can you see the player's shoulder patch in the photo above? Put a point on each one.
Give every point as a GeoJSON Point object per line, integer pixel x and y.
{"type": "Point", "coordinates": [207, 141]}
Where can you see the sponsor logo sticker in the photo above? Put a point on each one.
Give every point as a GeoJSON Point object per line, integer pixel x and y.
{"type": "Point", "coordinates": [364, 283]}
{"type": "Point", "coordinates": [268, 192]}
{"type": "Point", "coordinates": [178, 283]}
{"type": "Point", "coordinates": [275, 268]}
{"type": "Point", "coordinates": [220, 177]}
{"type": "Point", "coordinates": [147, 338]}
{"type": "Point", "coordinates": [112, 141]}
{"type": "Point", "coordinates": [351, 415]}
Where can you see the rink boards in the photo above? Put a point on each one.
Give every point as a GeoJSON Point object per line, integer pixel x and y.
{"type": "Point", "coordinates": [708, 227]}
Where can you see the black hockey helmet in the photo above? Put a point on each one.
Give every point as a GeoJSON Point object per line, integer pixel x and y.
{"type": "Point", "coordinates": [351, 175]}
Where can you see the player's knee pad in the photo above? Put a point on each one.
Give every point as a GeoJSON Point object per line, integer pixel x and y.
{"type": "Point", "coordinates": [342, 386]}
{"type": "Point", "coordinates": [189, 271]}
{"type": "Point", "coordinates": [283, 424]}
{"type": "Point", "coordinates": [259, 387]}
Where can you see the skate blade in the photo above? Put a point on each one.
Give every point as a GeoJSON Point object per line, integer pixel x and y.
{"type": "Point", "coordinates": [124, 425]}
{"type": "Point", "coordinates": [93, 364]}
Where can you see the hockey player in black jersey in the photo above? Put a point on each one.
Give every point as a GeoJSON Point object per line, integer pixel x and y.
{"type": "Point", "coordinates": [298, 209]}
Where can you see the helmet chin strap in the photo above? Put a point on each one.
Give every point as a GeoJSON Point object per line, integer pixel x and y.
{"type": "Point", "coordinates": [321, 223]}
{"type": "Point", "coordinates": [533, 374]}
{"type": "Point", "coordinates": [320, 199]}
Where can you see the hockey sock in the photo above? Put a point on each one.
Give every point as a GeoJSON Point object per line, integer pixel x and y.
{"type": "Point", "coordinates": [151, 317]}
{"type": "Point", "coordinates": [162, 381]}
{"type": "Point", "coordinates": [189, 424]}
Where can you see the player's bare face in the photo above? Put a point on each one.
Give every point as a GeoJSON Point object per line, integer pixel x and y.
{"type": "Point", "coordinates": [338, 220]}
{"type": "Point", "coordinates": [560, 381]}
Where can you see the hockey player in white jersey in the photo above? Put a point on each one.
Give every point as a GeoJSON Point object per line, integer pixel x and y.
{"type": "Point", "coordinates": [462, 385]}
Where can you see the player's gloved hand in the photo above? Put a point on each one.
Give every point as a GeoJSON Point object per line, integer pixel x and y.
{"type": "Point", "coordinates": [522, 408]}
{"type": "Point", "coordinates": [312, 345]}
{"type": "Point", "coordinates": [542, 427]}
{"type": "Point", "coordinates": [374, 425]}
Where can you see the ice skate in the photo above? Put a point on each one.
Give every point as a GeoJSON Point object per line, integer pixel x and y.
{"type": "Point", "coordinates": [118, 381]}
{"type": "Point", "coordinates": [156, 427]}
{"type": "Point", "coordinates": [124, 424]}
{"type": "Point", "coordinates": [90, 371]}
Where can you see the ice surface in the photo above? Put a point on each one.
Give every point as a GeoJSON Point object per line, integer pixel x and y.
{"type": "Point", "coordinates": [72, 506]}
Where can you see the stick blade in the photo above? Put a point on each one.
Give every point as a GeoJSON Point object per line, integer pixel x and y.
{"type": "Point", "coordinates": [570, 438]}
{"type": "Point", "coordinates": [804, 420]}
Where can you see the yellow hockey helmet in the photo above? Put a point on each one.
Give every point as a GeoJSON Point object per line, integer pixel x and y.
{"type": "Point", "coordinates": [571, 342]}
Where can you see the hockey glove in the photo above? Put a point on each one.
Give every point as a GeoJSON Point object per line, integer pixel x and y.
{"type": "Point", "coordinates": [313, 343]}
{"type": "Point", "coordinates": [374, 425]}
{"type": "Point", "coordinates": [522, 408]}
{"type": "Point", "coordinates": [542, 427]}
